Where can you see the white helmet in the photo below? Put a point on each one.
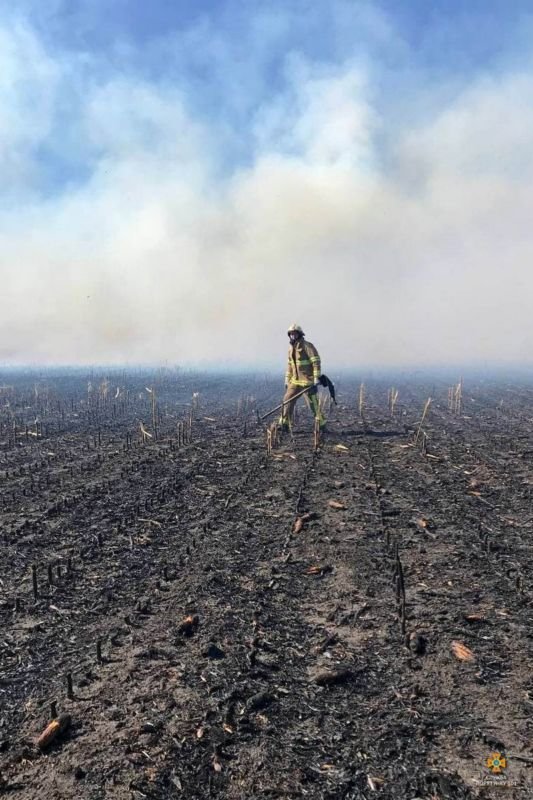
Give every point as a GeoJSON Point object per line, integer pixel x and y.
{"type": "Point", "coordinates": [294, 328]}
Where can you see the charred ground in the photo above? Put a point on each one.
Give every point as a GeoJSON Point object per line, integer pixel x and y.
{"type": "Point", "coordinates": [218, 647]}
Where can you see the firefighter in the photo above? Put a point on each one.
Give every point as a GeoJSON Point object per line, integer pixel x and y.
{"type": "Point", "coordinates": [303, 369]}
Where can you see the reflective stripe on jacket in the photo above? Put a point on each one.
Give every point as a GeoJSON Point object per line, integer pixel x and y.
{"type": "Point", "coordinates": [303, 364]}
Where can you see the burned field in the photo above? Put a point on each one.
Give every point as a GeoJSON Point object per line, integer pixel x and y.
{"type": "Point", "coordinates": [343, 618]}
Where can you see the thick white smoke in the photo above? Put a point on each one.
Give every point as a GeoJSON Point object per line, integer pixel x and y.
{"type": "Point", "coordinates": [389, 247]}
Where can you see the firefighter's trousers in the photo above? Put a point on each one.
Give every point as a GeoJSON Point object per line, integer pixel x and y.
{"type": "Point", "coordinates": [289, 403]}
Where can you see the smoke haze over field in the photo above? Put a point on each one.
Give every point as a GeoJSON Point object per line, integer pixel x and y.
{"type": "Point", "coordinates": [181, 189]}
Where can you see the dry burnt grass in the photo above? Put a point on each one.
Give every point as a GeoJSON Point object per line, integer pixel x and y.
{"type": "Point", "coordinates": [217, 647]}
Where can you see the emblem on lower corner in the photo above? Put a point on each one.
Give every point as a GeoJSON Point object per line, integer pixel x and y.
{"type": "Point", "coordinates": [496, 763]}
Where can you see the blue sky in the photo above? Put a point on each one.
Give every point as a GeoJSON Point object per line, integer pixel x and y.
{"type": "Point", "coordinates": [228, 57]}
{"type": "Point", "coordinates": [198, 155]}
{"type": "Point", "coordinates": [477, 29]}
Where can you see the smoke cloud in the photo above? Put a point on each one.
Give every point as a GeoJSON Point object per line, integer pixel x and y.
{"type": "Point", "coordinates": [136, 227]}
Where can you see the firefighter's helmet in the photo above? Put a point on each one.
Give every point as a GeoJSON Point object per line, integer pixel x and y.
{"type": "Point", "coordinates": [295, 329]}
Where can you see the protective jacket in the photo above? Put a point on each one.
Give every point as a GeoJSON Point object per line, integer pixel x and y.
{"type": "Point", "coordinates": [303, 364]}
